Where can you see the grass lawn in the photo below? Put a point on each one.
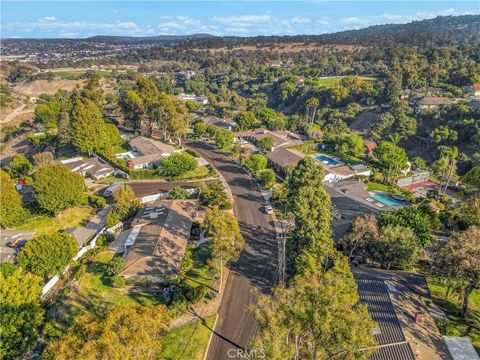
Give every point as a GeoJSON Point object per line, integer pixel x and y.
{"type": "Point", "coordinates": [198, 173]}
{"type": "Point", "coordinates": [119, 149]}
{"type": "Point", "coordinates": [68, 218]}
{"type": "Point", "coordinates": [456, 326]}
{"type": "Point", "coordinates": [198, 274]}
{"type": "Point", "coordinates": [308, 147]}
{"type": "Point", "coordinates": [188, 342]}
{"type": "Point", "coordinates": [329, 82]}
{"type": "Point", "coordinates": [95, 292]}
{"type": "Point", "coordinates": [377, 186]}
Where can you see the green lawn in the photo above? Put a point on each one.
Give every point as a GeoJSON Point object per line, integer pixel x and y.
{"type": "Point", "coordinates": [330, 82]}
{"type": "Point", "coordinates": [456, 326]}
{"type": "Point", "coordinates": [198, 173]}
{"type": "Point", "coordinates": [378, 187]}
{"type": "Point", "coordinates": [198, 274]}
{"type": "Point", "coordinates": [188, 342]}
{"type": "Point", "coordinates": [119, 149]}
{"type": "Point", "coordinates": [73, 74]}
{"type": "Point", "coordinates": [68, 218]}
{"type": "Point", "coordinates": [95, 292]}
{"type": "Point", "coordinates": [309, 147]}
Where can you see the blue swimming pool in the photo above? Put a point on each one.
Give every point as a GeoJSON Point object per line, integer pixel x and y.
{"type": "Point", "coordinates": [326, 160]}
{"type": "Point", "coordinates": [386, 199]}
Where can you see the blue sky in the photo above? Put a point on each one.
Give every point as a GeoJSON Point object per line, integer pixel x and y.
{"type": "Point", "coordinates": [241, 18]}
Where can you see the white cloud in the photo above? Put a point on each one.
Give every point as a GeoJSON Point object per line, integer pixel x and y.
{"type": "Point", "coordinates": [242, 20]}
{"type": "Point", "coordinates": [300, 20]}
{"type": "Point", "coordinates": [67, 34]}
{"type": "Point", "coordinates": [50, 23]}
{"type": "Point", "coordinates": [47, 19]}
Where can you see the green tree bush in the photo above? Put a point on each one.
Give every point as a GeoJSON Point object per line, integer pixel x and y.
{"type": "Point", "coordinates": [46, 255]}
{"type": "Point", "coordinates": [57, 188]}
{"type": "Point", "coordinates": [177, 164]}
{"type": "Point", "coordinates": [12, 212]}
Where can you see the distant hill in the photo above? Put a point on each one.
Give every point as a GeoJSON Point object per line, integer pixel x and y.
{"type": "Point", "coordinates": [148, 39]}
{"type": "Point", "coordinates": [440, 31]}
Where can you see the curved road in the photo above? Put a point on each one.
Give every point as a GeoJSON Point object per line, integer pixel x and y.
{"type": "Point", "coordinates": [256, 267]}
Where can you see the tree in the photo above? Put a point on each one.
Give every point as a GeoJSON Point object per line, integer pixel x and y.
{"type": "Point", "coordinates": [391, 159]}
{"type": "Point", "coordinates": [265, 144]}
{"type": "Point", "coordinates": [177, 164]}
{"type": "Point", "coordinates": [88, 130]}
{"type": "Point", "coordinates": [227, 241]}
{"type": "Point", "coordinates": [451, 154]}
{"type": "Point", "coordinates": [223, 138]}
{"type": "Point", "coordinates": [459, 260]}
{"type": "Point", "coordinates": [179, 192]}
{"type": "Point", "coordinates": [42, 159]}
{"type": "Point", "coordinates": [364, 230]}
{"type": "Point", "coordinates": [421, 220]}
{"type": "Point", "coordinates": [310, 205]}
{"type": "Point", "coordinates": [124, 332]}
{"type": "Point", "coordinates": [214, 195]}
{"type": "Point", "coordinates": [49, 113]}
{"type": "Point", "coordinates": [21, 313]}
{"type": "Point", "coordinates": [394, 247]}
{"type": "Point", "coordinates": [256, 163]}
{"type": "Point", "coordinates": [46, 255]}
{"type": "Point", "coordinates": [312, 105]}
{"type": "Point", "coordinates": [472, 177]}
{"type": "Point", "coordinates": [12, 211]}
{"type": "Point", "coordinates": [382, 125]}
{"type": "Point", "coordinates": [443, 134]}
{"type": "Point", "coordinates": [246, 120]}
{"type": "Point", "coordinates": [200, 128]}
{"type": "Point", "coordinates": [317, 317]}
{"type": "Point", "coordinates": [125, 205]}
{"type": "Point", "coordinates": [350, 144]}
{"type": "Point", "coordinates": [266, 178]}
{"type": "Point", "coordinates": [57, 188]}
{"type": "Point", "coordinates": [115, 266]}
{"type": "Point", "coordinates": [19, 166]}
{"type": "Point", "coordinates": [133, 110]}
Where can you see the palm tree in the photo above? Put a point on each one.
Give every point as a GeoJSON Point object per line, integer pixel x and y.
{"type": "Point", "coordinates": [452, 154]}
{"type": "Point", "coordinates": [312, 105]}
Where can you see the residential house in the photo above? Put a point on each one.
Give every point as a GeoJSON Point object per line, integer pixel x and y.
{"type": "Point", "coordinates": [280, 138]}
{"type": "Point", "coordinates": [148, 153]}
{"type": "Point", "coordinates": [228, 124]}
{"type": "Point", "coordinates": [370, 146]}
{"type": "Point", "coordinates": [283, 159]}
{"type": "Point", "coordinates": [11, 242]}
{"type": "Point", "coordinates": [186, 75]}
{"type": "Point", "coordinates": [203, 100]}
{"type": "Point", "coordinates": [81, 234]}
{"type": "Point", "coordinates": [430, 102]}
{"type": "Point", "coordinates": [158, 240]}
{"type": "Point", "coordinates": [475, 89]}
{"type": "Point", "coordinates": [93, 167]}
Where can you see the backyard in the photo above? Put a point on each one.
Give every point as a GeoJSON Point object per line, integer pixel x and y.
{"type": "Point", "coordinates": [69, 218]}
{"type": "Point", "coordinates": [456, 325]}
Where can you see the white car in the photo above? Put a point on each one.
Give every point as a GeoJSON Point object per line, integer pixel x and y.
{"type": "Point", "coordinates": [269, 209]}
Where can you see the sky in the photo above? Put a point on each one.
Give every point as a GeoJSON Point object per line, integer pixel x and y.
{"type": "Point", "coordinates": [80, 19]}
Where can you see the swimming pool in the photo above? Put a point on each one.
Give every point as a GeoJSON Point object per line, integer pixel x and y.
{"type": "Point", "coordinates": [326, 160]}
{"type": "Point", "coordinates": [386, 199]}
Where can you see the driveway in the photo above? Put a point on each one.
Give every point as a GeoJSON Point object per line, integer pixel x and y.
{"type": "Point", "coordinates": [256, 268]}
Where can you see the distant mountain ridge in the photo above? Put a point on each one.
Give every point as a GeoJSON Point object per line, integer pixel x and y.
{"type": "Point", "coordinates": [439, 31]}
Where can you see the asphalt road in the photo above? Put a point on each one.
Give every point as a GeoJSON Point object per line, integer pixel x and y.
{"type": "Point", "coordinates": [256, 268]}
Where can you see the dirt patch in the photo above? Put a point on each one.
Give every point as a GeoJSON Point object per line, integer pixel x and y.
{"type": "Point", "coordinates": [364, 121]}
{"type": "Point", "coordinates": [37, 87]}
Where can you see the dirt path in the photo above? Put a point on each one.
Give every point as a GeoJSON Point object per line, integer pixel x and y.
{"type": "Point", "coordinates": [16, 112]}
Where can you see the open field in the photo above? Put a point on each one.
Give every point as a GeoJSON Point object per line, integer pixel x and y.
{"type": "Point", "coordinates": [50, 87]}
{"type": "Point", "coordinates": [68, 218]}
{"type": "Point", "coordinates": [188, 342]}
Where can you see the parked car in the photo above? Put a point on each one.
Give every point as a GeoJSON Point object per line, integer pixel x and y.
{"type": "Point", "coordinates": [269, 209]}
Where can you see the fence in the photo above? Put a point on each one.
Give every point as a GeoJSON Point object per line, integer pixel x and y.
{"type": "Point", "coordinates": [51, 283]}
{"type": "Point", "coordinates": [414, 179]}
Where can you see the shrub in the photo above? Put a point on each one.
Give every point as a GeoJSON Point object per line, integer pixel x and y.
{"type": "Point", "coordinates": [256, 163]}
{"type": "Point", "coordinates": [114, 266]}
{"type": "Point", "coordinates": [97, 201]}
{"type": "Point", "coordinates": [177, 164]}
{"type": "Point", "coordinates": [118, 282]}
{"type": "Point", "coordinates": [266, 178]}
{"type": "Point", "coordinates": [179, 193]}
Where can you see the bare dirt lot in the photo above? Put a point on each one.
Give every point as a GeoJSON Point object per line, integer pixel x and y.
{"type": "Point", "coordinates": [37, 87]}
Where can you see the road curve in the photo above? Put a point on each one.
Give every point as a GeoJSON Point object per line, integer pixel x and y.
{"type": "Point", "coordinates": [256, 268]}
